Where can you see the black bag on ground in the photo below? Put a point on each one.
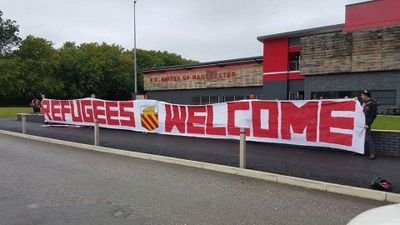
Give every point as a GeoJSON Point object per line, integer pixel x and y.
{"type": "Point", "coordinates": [378, 183]}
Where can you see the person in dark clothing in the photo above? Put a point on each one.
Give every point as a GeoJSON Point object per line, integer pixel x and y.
{"type": "Point", "coordinates": [35, 103]}
{"type": "Point", "coordinates": [370, 108]}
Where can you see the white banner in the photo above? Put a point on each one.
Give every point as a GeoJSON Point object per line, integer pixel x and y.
{"type": "Point", "coordinates": [321, 123]}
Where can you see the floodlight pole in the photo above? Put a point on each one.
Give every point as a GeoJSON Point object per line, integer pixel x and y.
{"type": "Point", "coordinates": [134, 45]}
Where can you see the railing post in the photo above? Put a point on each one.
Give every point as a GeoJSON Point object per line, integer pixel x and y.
{"type": "Point", "coordinates": [96, 133]}
{"type": "Point", "coordinates": [23, 119]}
{"type": "Point", "coordinates": [242, 155]}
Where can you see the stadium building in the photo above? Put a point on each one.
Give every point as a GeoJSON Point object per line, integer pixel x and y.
{"type": "Point", "coordinates": [334, 61]}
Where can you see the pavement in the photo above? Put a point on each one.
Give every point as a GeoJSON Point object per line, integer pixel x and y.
{"type": "Point", "coordinates": [49, 184]}
{"type": "Point", "coordinates": [325, 165]}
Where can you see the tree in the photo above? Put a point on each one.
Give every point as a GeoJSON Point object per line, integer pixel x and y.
{"type": "Point", "coordinates": [69, 60]}
{"type": "Point", "coordinates": [10, 69]}
{"type": "Point", "coordinates": [38, 66]}
{"type": "Point", "coordinates": [147, 59]}
{"type": "Point", "coordinates": [74, 71]}
{"type": "Point", "coordinates": [8, 35]}
{"type": "Point", "coordinates": [102, 69]}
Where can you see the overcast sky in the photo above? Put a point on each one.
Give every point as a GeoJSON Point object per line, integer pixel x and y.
{"type": "Point", "coordinates": [203, 30]}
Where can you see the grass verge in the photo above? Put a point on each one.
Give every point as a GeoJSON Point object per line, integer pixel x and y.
{"type": "Point", "coordinates": [383, 122]}
{"type": "Point", "coordinates": [12, 111]}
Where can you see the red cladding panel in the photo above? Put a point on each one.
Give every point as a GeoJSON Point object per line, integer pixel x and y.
{"type": "Point", "coordinates": [277, 77]}
{"type": "Point", "coordinates": [295, 49]}
{"type": "Point", "coordinates": [276, 55]}
{"type": "Point", "coordinates": [373, 14]}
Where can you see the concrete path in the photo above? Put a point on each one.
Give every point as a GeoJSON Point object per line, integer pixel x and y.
{"type": "Point", "coordinates": [324, 165]}
{"type": "Point", "coordinates": [50, 185]}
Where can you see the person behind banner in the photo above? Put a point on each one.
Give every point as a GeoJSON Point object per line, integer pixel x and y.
{"type": "Point", "coordinates": [252, 96]}
{"type": "Point", "coordinates": [35, 103]}
{"type": "Point", "coordinates": [42, 97]}
{"type": "Point", "coordinates": [370, 109]}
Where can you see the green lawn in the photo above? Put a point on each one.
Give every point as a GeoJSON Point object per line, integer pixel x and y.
{"type": "Point", "coordinates": [386, 123]}
{"type": "Point", "coordinates": [12, 111]}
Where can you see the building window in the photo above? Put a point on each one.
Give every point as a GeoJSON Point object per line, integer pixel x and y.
{"type": "Point", "coordinates": [196, 100]}
{"type": "Point", "coordinates": [237, 98]}
{"type": "Point", "coordinates": [234, 98]}
{"type": "Point", "coordinates": [296, 95]}
{"type": "Point", "coordinates": [204, 100]}
{"type": "Point", "coordinates": [334, 94]}
{"type": "Point", "coordinates": [229, 98]}
{"type": "Point", "coordinates": [249, 96]}
{"type": "Point", "coordinates": [294, 41]}
{"type": "Point", "coordinates": [294, 62]}
{"type": "Point", "coordinates": [214, 99]}
{"type": "Point", "coordinates": [385, 97]}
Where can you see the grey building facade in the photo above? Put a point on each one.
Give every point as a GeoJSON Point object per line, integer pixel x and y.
{"type": "Point", "coordinates": [384, 86]}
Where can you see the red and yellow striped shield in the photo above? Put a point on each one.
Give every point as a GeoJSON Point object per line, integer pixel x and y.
{"type": "Point", "coordinates": [149, 118]}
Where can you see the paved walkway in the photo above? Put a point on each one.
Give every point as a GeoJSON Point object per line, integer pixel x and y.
{"type": "Point", "coordinates": [318, 164]}
{"type": "Point", "coordinates": [50, 184]}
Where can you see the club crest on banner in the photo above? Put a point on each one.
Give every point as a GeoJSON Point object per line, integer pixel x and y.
{"type": "Point", "coordinates": [149, 117]}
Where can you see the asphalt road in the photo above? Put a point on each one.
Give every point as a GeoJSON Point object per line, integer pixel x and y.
{"type": "Point", "coordinates": [52, 185]}
{"type": "Point", "coordinates": [312, 163]}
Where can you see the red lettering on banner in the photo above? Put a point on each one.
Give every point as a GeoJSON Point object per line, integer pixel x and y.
{"type": "Point", "coordinates": [112, 113]}
{"type": "Point", "coordinates": [87, 110]}
{"type": "Point", "coordinates": [130, 122]}
{"type": "Point", "coordinates": [178, 118]}
{"type": "Point", "coordinates": [322, 123]}
{"type": "Point", "coordinates": [232, 108]}
{"type": "Point", "coordinates": [46, 104]}
{"type": "Point", "coordinates": [327, 122]}
{"type": "Point", "coordinates": [210, 129]}
{"type": "Point", "coordinates": [99, 114]}
{"type": "Point", "coordinates": [65, 109]}
{"type": "Point", "coordinates": [193, 119]}
{"type": "Point", "coordinates": [272, 108]}
{"type": "Point", "coordinates": [56, 111]}
{"type": "Point", "coordinates": [76, 112]}
{"type": "Point", "coordinates": [299, 119]}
